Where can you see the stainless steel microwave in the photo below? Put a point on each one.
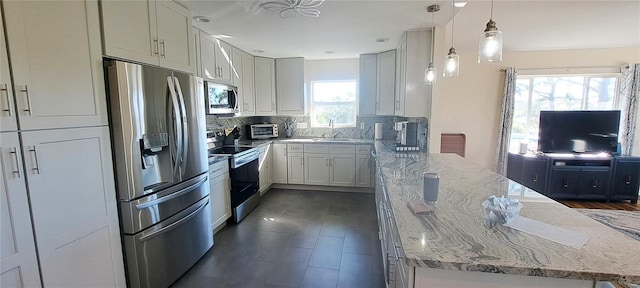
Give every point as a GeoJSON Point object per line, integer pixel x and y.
{"type": "Point", "coordinates": [221, 99]}
{"type": "Point", "coordinates": [264, 131]}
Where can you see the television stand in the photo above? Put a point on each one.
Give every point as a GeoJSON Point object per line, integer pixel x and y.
{"type": "Point", "coordinates": [578, 176]}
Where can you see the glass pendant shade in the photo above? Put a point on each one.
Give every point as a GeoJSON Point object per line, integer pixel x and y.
{"type": "Point", "coordinates": [430, 75]}
{"type": "Point", "coordinates": [490, 44]}
{"type": "Point", "coordinates": [451, 64]}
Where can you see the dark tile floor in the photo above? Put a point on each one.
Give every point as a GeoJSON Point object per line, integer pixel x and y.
{"type": "Point", "coordinates": [296, 239]}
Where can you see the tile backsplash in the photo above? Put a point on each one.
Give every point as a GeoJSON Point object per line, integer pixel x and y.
{"type": "Point", "coordinates": [366, 122]}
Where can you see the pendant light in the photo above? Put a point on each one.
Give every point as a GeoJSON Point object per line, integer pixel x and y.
{"type": "Point", "coordinates": [452, 60]}
{"type": "Point", "coordinates": [490, 44]}
{"type": "Point", "coordinates": [431, 72]}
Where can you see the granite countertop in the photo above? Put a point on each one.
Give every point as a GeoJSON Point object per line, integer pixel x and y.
{"type": "Point", "coordinates": [455, 236]}
{"type": "Point", "coordinates": [257, 143]}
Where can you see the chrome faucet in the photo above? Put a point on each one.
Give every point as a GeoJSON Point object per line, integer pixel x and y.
{"type": "Point", "coordinates": [332, 124]}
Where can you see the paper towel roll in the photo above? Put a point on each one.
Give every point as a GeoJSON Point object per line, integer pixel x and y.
{"type": "Point", "coordinates": [378, 131]}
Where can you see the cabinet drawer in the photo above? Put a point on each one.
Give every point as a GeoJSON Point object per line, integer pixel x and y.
{"type": "Point", "coordinates": [295, 148]}
{"type": "Point", "coordinates": [343, 149]}
{"type": "Point", "coordinates": [316, 148]}
{"type": "Point", "coordinates": [218, 168]}
{"type": "Point", "coordinates": [363, 149]}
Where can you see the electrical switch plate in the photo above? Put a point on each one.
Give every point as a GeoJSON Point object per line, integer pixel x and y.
{"type": "Point", "coordinates": [302, 125]}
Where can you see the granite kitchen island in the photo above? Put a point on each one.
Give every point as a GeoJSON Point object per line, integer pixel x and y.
{"type": "Point", "coordinates": [454, 246]}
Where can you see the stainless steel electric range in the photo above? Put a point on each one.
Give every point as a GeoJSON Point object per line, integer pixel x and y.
{"type": "Point", "coordinates": [243, 163]}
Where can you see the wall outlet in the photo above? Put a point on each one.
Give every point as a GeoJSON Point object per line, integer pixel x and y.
{"type": "Point", "coordinates": [302, 125]}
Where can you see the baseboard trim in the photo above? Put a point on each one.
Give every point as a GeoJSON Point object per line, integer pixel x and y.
{"type": "Point", "coordinates": [323, 188]}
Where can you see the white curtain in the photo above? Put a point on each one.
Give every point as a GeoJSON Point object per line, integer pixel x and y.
{"type": "Point", "coordinates": [629, 90]}
{"type": "Point", "coordinates": [504, 132]}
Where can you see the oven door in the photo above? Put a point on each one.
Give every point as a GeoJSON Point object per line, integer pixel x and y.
{"type": "Point", "coordinates": [244, 182]}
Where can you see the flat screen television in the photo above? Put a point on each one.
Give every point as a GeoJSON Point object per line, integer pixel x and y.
{"type": "Point", "coordinates": [578, 131]}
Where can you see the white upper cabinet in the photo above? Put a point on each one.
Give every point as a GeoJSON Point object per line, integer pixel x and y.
{"type": "Point", "coordinates": [216, 59]}
{"type": "Point", "coordinates": [56, 62]}
{"type": "Point", "coordinates": [414, 52]}
{"type": "Point", "coordinates": [265, 89]}
{"type": "Point", "coordinates": [18, 262]}
{"type": "Point", "coordinates": [195, 41]}
{"type": "Point", "coordinates": [7, 111]}
{"type": "Point", "coordinates": [152, 32]}
{"type": "Point", "coordinates": [290, 86]}
{"type": "Point", "coordinates": [368, 86]}
{"type": "Point", "coordinates": [386, 76]}
{"type": "Point", "coordinates": [242, 76]}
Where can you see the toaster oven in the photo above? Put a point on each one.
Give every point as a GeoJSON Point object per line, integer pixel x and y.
{"type": "Point", "coordinates": [263, 131]}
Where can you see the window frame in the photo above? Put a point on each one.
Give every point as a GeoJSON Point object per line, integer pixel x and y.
{"type": "Point", "coordinates": [585, 93]}
{"type": "Point", "coordinates": [313, 104]}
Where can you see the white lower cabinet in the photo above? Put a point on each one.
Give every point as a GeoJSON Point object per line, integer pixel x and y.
{"type": "Point", "coordinates": [19, 263]}
{"type": "Point", "coordinates": [264, 169]}
{"type": "Point", "coordinates": [220, 185]}
{"type": "Point", "coordinates": [316, 170]}
{"type": "Point", "coordinates": [73, 203]}
{"type": "Point", "coordinates": [364, 166]}
{"type": "Point", "coordinates": [279, 161]}
{"type": "Point", "coordinates": [342, 169]}
{"type": "Point", "coordinates": [295, 163]}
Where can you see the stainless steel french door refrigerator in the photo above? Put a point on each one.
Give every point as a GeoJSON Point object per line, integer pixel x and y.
{"type": "Point", "coordinates": [158, 128]}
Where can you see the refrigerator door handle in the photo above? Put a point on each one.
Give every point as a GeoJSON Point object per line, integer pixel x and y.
{"type": "Point", "coordinates": [177, 119]}
{"type": "Point", "coordinates": [185, 129]}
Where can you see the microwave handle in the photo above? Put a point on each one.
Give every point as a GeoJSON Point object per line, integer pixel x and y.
{"type": "Point", "coordinates": [235, 97]}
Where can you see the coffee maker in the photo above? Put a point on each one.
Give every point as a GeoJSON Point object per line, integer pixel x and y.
{"type": "Point", "coordinates": [407, 136]}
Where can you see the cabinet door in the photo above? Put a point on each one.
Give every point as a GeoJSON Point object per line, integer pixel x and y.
{"type": "Point", "coordinates": [195, 41]}
{"type": "Point", "coordinates": [248, 91]}
{"type": "Point", "coordinates": [56, 62]}
{"type": "Point", "coordinates": [368, 84]}
{"type": "Point", "coordinates": [237, 76]}
{"type": "Point", "coordinates": [385, 101]}
{"type": "Point", "coordinates": [73, 200]}
{"type": "Point", "coordinates": [535, 174]}
{"type": "Point", "coordinates": [564, 183]}
{"type": "Point", "coordinates": [401, 76]}
{"type": "Point", "coordinates": [363, 171]}
{"type": "Point", "coordinates": [625, 181]}
{"type": "Point", "coordinates": [264, 163]}
{"type": "Point", "coordinates": [265, 86]}
{"type": "Point", "coordinates": [18, 263]}
{"type": "Point", "coordinates": [594, 183]}
{"type": "Point", "coordinates": [279, 163]}
{"type": "Point", "coordinates": [515, 167]}
{"type": "Point", "coordinates": [290, 86]}
{"type": "Point", "coordinates": [223, 61]}
{"type": "Point", "coordinates": [220, 199]}
{"type": "Point", "coordinates": [174, 36]}
{"type": "Point", "coordinates": [295, 170]}
{"type": "Point", "coordinates": [137, 18]}
{"type": "Point", "coordinates": [7, 112]}
{"type": "Point", "coordinates": [208, 56]}
{"type": "Point", "coordinates": [316, 169]}
{"type": "Point", "coordinates": [343, 170]}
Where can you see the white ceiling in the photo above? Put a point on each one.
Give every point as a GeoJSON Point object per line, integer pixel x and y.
{"type": "Point", "coordinates": [350, 28]}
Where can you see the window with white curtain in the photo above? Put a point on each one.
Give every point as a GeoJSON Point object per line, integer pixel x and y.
{"type": "Point", "coordinates": [558, 92]}
{"type": "Point", "coordinates": [333, 100]}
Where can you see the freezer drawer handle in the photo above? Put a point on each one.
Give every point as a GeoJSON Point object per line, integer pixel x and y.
{"type": "Point", "coordinates": [171, 196]}
{"type": "Point", "coordinates": [174, 224]}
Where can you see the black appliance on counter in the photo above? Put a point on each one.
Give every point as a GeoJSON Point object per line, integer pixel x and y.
{"type": "Point", "coordinates": [245, 178]}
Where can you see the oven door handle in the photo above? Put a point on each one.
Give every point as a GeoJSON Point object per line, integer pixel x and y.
{"type": "Point", "coordinates": [245, 159]}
